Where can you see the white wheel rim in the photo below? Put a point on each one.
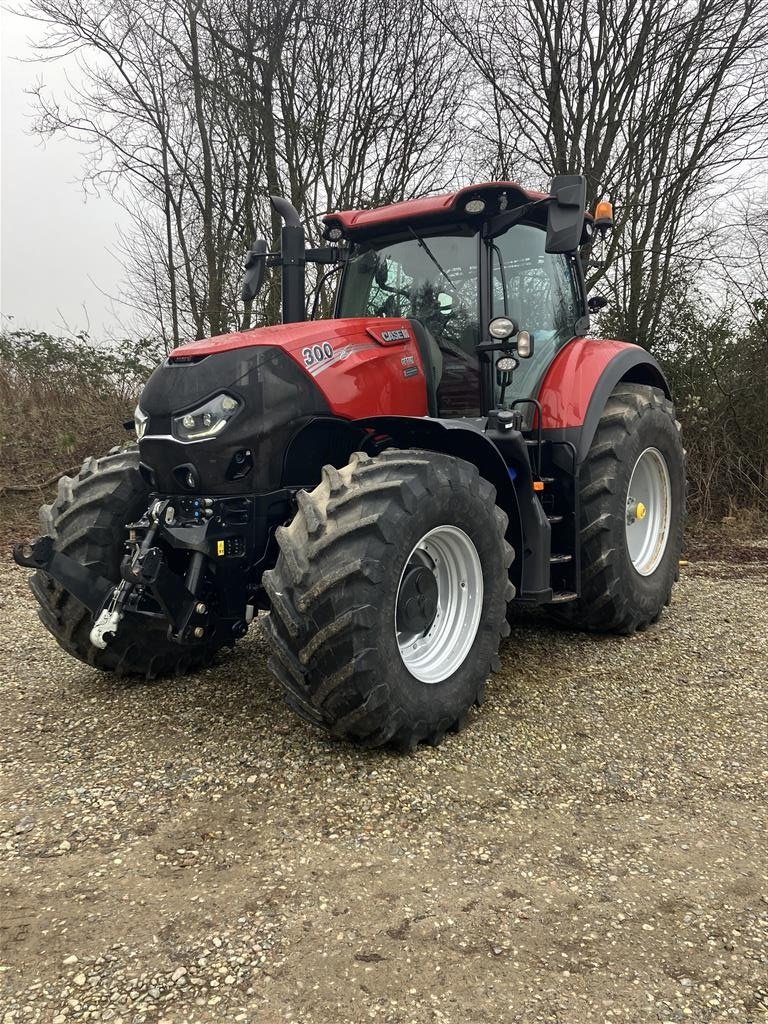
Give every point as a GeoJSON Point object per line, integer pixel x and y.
{"type": "Point", "coordinates": [648, 511]}
{"type": "Point", "coordinates": [435, 653]}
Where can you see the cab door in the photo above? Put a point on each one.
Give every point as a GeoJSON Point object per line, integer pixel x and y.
{"type": "Point", "coordinates": [541, 292]}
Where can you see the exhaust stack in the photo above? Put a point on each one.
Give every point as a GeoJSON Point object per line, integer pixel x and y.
{"type": "Point", "coordinates": [292, 261]}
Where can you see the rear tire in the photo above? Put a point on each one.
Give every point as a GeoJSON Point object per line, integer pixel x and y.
{"type": "Point", "coordinates": [87, 521]}
{"type": "Point", "coordinates": [341, 598]}
{"type": "Point", "coordinates": [629, 564]}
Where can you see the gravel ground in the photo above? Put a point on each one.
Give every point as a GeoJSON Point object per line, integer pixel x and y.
{"type": "Point", "coordinates": [591, 848]}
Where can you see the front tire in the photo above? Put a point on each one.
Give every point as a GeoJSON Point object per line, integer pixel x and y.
{"type": "Point", "coordinates": [388, 599]}
{"type": "Point", "coordinates": [632, 497]}
{"type": "Point", "coordinates": [87, 521]}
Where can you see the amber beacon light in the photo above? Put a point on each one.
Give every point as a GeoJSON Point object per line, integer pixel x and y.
{"type": "Point", "coordinates": [604, 215]}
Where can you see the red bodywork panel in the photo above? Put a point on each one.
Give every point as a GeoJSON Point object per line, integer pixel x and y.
{"type": "Point", "coordinates": [375, 361]}
{"type": "Point", "coordinates": [434, 207]}
{"type": "Point", "coordinates": [371, 366]}
{"type": "Point", "coordinates": [570, 381]}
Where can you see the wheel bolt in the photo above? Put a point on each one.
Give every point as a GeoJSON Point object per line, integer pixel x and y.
{"type": "Point", "coordinates": [200, 608]}
{"type": "Point", "coordinates": [199, 632]}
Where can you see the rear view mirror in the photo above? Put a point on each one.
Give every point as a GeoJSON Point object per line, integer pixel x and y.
{"type": "Point", "coordinates": [565, 216]}
{"type": "Point", "coordinates": [255, 270]}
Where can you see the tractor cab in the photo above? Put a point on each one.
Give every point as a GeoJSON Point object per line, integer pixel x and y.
{"type": "Point", "coordinates": [456, 263]}
{"type": "Point", "coordinates": [455, 280]}
{"type": "Point", "coordinates": [451, 265]}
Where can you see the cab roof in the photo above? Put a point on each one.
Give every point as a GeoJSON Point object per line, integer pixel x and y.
{"type": "Point", "coordinates": [498, 196]}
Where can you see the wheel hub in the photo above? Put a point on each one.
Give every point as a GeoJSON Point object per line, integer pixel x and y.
{"type": "Point", "coordinates": [417, 600]}
{"type": "Point", "coordinates": [636, 510]}
{"type": "Point", "coordinates": [649, 511]}
{"type": "Point", "coordinates": [438, 605]}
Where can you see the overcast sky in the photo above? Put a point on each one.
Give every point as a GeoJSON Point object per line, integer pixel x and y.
{"type": "Point", "coordinates": [57, 270]}
{"type": "Point", "coordinates": [55, 243]}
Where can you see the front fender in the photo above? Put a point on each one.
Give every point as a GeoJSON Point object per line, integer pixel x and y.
{"type": "Point", "coordinates": [580, 380]}
{"type": "Point", "coordinates": [466, 440]}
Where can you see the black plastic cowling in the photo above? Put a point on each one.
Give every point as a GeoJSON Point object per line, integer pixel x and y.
{"type": "Point", "coordinates": [276, 397]}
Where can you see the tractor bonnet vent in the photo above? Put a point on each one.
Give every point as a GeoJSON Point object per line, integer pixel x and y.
{"type": "Point", "coordinates": [186, 359]}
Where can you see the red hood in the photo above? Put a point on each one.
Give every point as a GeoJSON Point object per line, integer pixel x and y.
{"type": "Point", "coordinates": [365, 366]}
{"type": "Point", "coordinates": [294, 336]}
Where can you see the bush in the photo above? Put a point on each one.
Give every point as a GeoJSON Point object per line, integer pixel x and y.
{"type": "Point", "coordinates": [64, 398]}
{"type": "Point", "coordinates": [718, 370]}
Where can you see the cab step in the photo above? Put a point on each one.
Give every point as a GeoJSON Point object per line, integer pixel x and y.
{"type": "Point", "coordinates": [561, 596]}
{"type": "Point", "coordinates": [560, 559]}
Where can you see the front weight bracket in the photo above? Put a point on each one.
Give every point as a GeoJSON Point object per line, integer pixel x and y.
{"type": "Point", "coordinates": [86, 586]}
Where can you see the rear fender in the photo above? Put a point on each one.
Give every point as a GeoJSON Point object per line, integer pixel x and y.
{"type": "Point", "coordinates": [579, 382]}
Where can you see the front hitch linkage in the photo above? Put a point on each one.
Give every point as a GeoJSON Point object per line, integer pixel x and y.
{"type": "Point", "coordinates": [147, 569]}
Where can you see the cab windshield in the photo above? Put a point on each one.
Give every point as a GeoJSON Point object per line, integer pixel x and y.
{"type": "Point", "coordinates": [433, 278]}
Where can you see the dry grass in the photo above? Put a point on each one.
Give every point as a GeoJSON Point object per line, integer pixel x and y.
{"type": "Point", "coordinates": [48, 425]}
{"type": "Point", "coordinates": [60, 401]}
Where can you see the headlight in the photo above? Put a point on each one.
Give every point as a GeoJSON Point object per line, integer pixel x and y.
{"type": "Point", "coordinates": [501, 328]}
{"type": "Point", "coordinates": [140, 422]}
{"type": "Point", "coordinates": [206, 421]}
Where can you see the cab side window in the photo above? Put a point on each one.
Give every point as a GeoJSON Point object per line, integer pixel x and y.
{"type": "Point", "coordinates": [539, 291]}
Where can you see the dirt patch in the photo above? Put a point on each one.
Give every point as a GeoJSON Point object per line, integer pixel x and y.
{"type": "Point", "coordinates": [591, 848]}
{"type": "Point", "coordinates": [736, 539]}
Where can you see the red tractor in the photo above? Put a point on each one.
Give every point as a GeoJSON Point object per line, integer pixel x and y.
{"type": "Point", "coordinates": [386, 484]}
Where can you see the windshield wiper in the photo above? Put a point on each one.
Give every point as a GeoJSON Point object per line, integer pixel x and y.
{"type": "Point", "coordinates": [511, 217]}
{"type": "Point", "coordinates": [431, 255]}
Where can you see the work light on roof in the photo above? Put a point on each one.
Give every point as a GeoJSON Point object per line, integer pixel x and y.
{"type": "Point", "coordinates": [475, 205]}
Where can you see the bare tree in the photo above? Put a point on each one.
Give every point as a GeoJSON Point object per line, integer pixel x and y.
{"type": "Point", "coordinates": [370, 101]}
{"type": "Point", "coordinates": [133, 113]}
{"type": "Point", "coordinates": [196, 111]}
{"type": "Point", "coordinates": [658, 102]}
{"type": "Point", "coordinates": [356, 102]}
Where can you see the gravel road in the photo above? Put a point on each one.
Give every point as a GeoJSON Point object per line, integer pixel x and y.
{"type": "Point", "coordinates": [591, 848]}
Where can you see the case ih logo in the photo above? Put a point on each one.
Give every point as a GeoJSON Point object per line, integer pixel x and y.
{"type": "Point", "coordinates": [401, 334]}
